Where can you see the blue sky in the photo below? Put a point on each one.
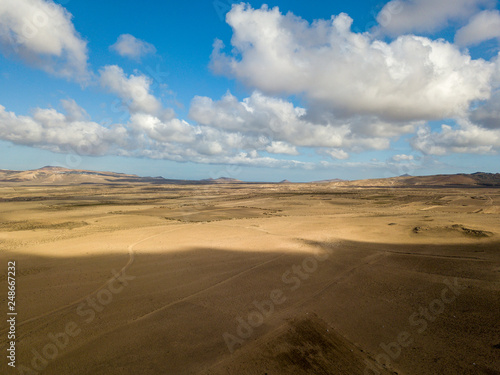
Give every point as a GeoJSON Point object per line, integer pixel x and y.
{"type": "Point", "coordinates": [256, 91]}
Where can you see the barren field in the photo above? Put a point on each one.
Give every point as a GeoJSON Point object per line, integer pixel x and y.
{"type": "Point", "coordinates": [252, 279]}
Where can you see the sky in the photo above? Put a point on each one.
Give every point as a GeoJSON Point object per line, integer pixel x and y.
{"type": "Point", "coordinates": [258, 91]}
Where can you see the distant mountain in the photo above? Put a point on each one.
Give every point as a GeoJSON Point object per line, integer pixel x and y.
{"type": "Point", "coordinates": [478, 179]}
{"type": "Point", "coordinates": [59, 176]}
{"type": "Point", "coordinates": [63, 176]}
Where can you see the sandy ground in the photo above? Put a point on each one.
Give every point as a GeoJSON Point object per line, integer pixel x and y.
{"type": "Point", "coordinates": [252, 279]}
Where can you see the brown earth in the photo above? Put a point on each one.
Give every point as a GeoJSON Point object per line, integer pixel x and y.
{"type": "Point", "coordinates": [252, 279]}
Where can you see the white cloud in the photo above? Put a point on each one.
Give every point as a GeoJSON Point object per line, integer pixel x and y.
{"type": "Point", "coordinates": [280, 147]}
{"type": "Point", "coordinates": [133, 90]}
{"type": "Point", "coordinates": [483, 26]}
{"type": "Point", "coordinates": [488, 114]}
{"type": "Point", "coordinates": [412, 78]}
{"type": "Point", "coordinates": [402, 157]}
{"type": "Point", "coordinates": [51, 130]}
{"type": "Point", "coordinates": [145, 135]}
{"type": "Point", "coordinates": [361, 93]}
{"type": "Point", "coordinates": [265, 117]}
{"type": "Point", "coordinates": [277, 120]}
{"type": "Point", "coordinates": [173, 130]}
{"type": "Point", "coordinates": [180, 141]}
{"type": "Point", "coordinates": [408, 16]}
{"type": "Point", "coordinates": [335, 153]}
{"type": "Point", "coordinates": [41, 33]}
{"type": "Point", "coordinates": [496, 74]}
{"type": "Point", "coordinates": [73, 111]}
{"type": "Point", "coordinates": [178, 138]}
{"type": "Point", "coordinates": [129, 46]}
{"type": "Point", "coordinates": [464, 138]}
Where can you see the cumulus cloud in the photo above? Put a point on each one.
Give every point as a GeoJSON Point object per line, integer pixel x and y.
{"type": "Point", "coordinates": [181, 141]}
{"type": "Point", "coordinates": [173, 130]}
{"type": "Point", "coordinates": [488, 114]}
{"type": "Point", "coordinates": [334, 153]}
{"type": "Point", "coordinates": [464, 138]}
{"type": "Point", "coordinates": [483, 26]}
{"type": "Point", "coordinates": [144, 135]}
{"type": "Point", "coordinates": [58, 132]}
{"type": "Point", "coordinates": [402, 157]}
{"type": "Point", "coordinates": [280, 147]}
{"type": "Point", "coordinates": [265, 116]}
{"type": "Point", "coordinates": [277, 120]}
{"type": "Point", "coordinates": [409, 16]}
{"type": "Point", "coordinates": [73, 111]}
{"type": "Point", "coordinates": [129, 46]}
{"type": "Point", "coordinates": [412, 78]}
{"type": "Point", "coordinates": [41, 33]}
{"type": "Point", "coordinates": [360, 94]}
{"type": "Point", "coordinates": [134, 90]}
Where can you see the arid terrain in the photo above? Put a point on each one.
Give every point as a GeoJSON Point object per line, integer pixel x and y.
{"type": "Point", "coordinates": [119, 275]}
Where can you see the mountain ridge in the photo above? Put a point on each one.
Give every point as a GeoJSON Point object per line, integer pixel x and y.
{"type": "Point", "coordinates": [56, 175]}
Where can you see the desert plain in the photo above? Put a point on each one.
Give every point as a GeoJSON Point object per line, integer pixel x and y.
{"type": "Point", "coordinates": [145, 278]}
